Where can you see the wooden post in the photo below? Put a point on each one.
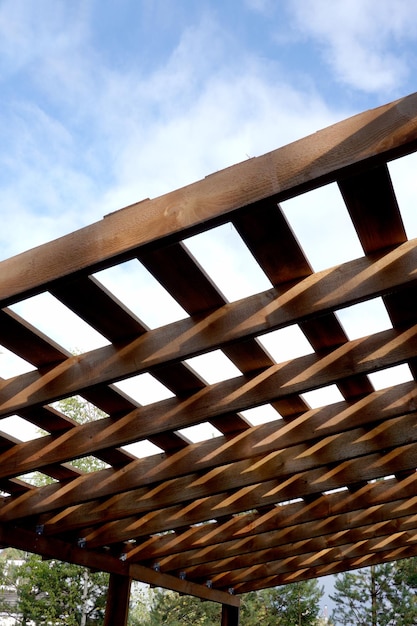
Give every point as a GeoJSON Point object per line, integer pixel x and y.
{"type": "Point", "coordinates": [230, 615]}
{"type": "Point", "coordinates": [117, 607]}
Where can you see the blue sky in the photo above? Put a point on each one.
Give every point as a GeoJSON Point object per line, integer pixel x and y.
{"type": "Point", "coordinates": [105, 102]}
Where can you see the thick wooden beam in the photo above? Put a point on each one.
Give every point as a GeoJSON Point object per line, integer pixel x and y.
{"type": "Point", "coordinates": [186, 587]}
{"type": "Point", "coordinates": [230, 615]}
{"type": "Point", "coordinates": [117, 606]}
{"type": "Point", "coordinates": [52, 548]}
{"type": "Point", "coordinates": [371, 137]}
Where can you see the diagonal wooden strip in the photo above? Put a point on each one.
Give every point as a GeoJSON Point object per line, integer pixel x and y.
{"type": "Point", "coordinates": [374, 501]}
{"type": "Point", "coordinates": [303, 485]}
{"type": "Point", "coordinates": [343, 544]}
{"type": "Point", "coordinates": [308, 537]}
{"type": "Point", "coordinates": [364, 355]}
{"type": "Point", "coordinates": [316, 294]}
{"type": "Point", "coordinates": [358, 553]}
{"type": "Point", "coordinates": [288, 518]}
{"type": "Point", "coordinates": [255, 442]}
{"type": "Point", "coordinates": [326, 569]}
{"type": "Point", "coordinates": [280, 465]}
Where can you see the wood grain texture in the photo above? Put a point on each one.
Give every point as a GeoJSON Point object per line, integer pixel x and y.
{"type": "Point", "coordinates": [378, 135]}
{"type": "Point", "coordinates": [314, 492]}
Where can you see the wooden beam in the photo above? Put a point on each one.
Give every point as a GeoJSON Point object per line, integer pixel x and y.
{"type": "Point", "coordinates": [53, 548]}
{"type": "Point", "coordinates": [389, 435]}
{"type": "Point", "coordinates": [230, 615]}
{"type": "Point", "coordinates": [315, 295]}
{"type": "Point", "coordinates": [255, 443]}
{"type": "Point", "coordinates": [374, 501]}
{"type": "Point", "coordinates": [371, 137]}
{"type": "Point", "coordinates": [117, 605]}
{"type": "Point", "coordinates": [303, 485]}
{"type": "Point", "coordinates": [186, 587]}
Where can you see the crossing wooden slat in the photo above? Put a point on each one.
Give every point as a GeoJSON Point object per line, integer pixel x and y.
{"type": "Point", "coordinates": [257, 506]}
{"type": "Point", "coordinates": [375, 352]}
{"type": "Point", "coordinates": [255, 315]}
{"type": "Point", "coordinates": [260, 441]}
{"type": "Point", "coordinates": [361, 506]}
{"type": "Point", "coordinates": [267, 494]}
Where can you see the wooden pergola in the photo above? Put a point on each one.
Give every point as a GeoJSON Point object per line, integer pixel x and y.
{"type": "Point", "coordinates": [314, 492]}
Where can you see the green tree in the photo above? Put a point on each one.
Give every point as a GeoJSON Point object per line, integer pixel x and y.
{"type": "Point", "coordinates": [290, 605]}
{"type": "Point", "coordinates": [171, 609]}
{"type": "Point", "coordinates": [52, 592]}
{"type": "Point", "coordinates": [140, 602]}
{"type": "Point", "coordinates": [10, 559]}
{"type": "Point", "coordinates": [381, 595]}
{"type": "Point", "coordinates": [296, 604]}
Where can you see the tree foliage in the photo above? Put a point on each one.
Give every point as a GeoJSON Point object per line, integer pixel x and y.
{"type": "Point", "coordinates": [291, 605]}
{"type": "Point", "coordinates": [52, 592]}
{"type": "Point", "coordinates": [382, 595]}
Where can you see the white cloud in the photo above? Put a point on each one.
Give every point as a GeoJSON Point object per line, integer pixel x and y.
{"type": "Point", "coordinates": [210, 115]}
{"type": "Point", "coordinates": [362, 39]}
{"type": "Point", "coordinates": [33, 33]}
{"type": "Point", "coordinates": [87, 138]}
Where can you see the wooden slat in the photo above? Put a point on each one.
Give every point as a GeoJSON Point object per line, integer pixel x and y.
{"type": "Point", "coordinates": [272, 242]}
{"type": "Point", "coordinates": [391, 435]}
{"type": "Point", "coordinates": [258, 506]}
{"type": "Point", "coordinates": [327, 569]}
{"type": "Point", "coordinates": [373, 208]}
{"type": "Point", "coordinates": [180, 340]}
{"type": "Point", "coordinates": [302, 485]}
{"type": "Point", "coordinates": [359, 507]}
{"type": "Point", "coordinates": [356, 556]}
{"type": "Point", "coordinates": [255, 443]}
{"type": "Point", "coordinates": [375, 352]}
{"type": "Point", "coordinates": [346, 543]}
{"type": "Point", "coordinates": [27, 342]}
{"type": "Point", "coordinates": [204, 563]}
{"type": "Point", "coordinates": [308, 537]}
{"type": "Point", "coordinates": [369, 138]}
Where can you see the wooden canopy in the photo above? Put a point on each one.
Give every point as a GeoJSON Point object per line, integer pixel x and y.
{"type": "Point", "coordinates": [313, 492]}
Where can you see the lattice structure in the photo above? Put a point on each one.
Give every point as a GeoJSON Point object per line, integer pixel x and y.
{"type": "Point", "coordinates": [313, 492]}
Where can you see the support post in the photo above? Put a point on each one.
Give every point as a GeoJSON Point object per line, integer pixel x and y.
{"type": "Point", "coordinates": [117, 606]}
{"type": "Point", "coordinates": [230, 615]}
